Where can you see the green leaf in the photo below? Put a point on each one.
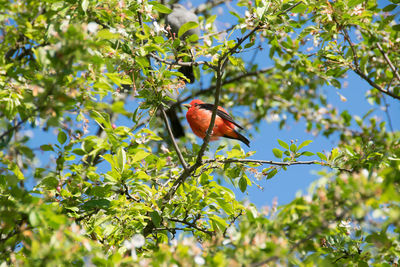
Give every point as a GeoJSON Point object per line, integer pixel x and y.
{"type": "Point", "coordinates": [307, 153]}
{"type": "Point", "coordinates": [203, 179]}
{"type": "Point", "coordinates": [121, 158]}
{"type": "Point", "coordinates": [84, 5]}
{"type": "Point", "coordinates": [79, 151]}
{"type": "Point", "coordinates": [335, 83]}
{"type": "Point", "coordinates": [106, 34]}
{"type": "Point", "coordinates": [277, 152]}
{"type": "Point", "coordinates": [303, 144]}
{"type": "Point", "coordinates": [272, 173]}
{"type": "Point", "coordinates": [334, 154]}
{"type": "Point", "coordinates": [62, 137]}
{"type": "Point", "coordinates": [283, 144]}
{"type": "Point", "coordinates": [321, 156]}
{"type": "Point", "coordinates": [218, 223]}
{"type": "Point", "coordinates": [299, 9]}
{"type": "Point", "coordinates": [225, 205]}
{"type": "Point", "coordinates": [139, 155]}
{"type": "Point", "coordinates": [396, 27]}
{"type": "Point", "coordinates": [389, 8]}
{"type": "Point", "coordinates": [97, 204]}
{"type": "Point", "coordinates": [293, 148]}
{"type": "Point", "coordinates": [187, 26]}
{"type": "Point", "coordinates": [15, 169]}
{"type": "Point", "coordinates": [34, 218]}
{"type": "Point", "coordinates": [46, 148]}
{"type": "Point", "coordinates": [160, 8]}
{"type": "Point", "coordinates": [155, 218]}
{"type": "Point", "coordinates": [353, 3]}
{"type": "Point", "coordinates": [242, 184]}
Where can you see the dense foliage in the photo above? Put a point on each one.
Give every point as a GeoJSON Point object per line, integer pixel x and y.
{"type": "Point", "coordinates": [111, 195]}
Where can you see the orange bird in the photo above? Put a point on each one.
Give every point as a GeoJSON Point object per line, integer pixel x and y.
{"type": "Point", "coordinates": [199, 118]}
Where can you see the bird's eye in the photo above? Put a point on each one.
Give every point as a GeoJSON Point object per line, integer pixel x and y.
{"type": "Point", "coordinates": [195, 104]}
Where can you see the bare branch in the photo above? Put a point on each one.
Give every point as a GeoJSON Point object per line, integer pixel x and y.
{"type": "Point", "coordinates": [171, 135]}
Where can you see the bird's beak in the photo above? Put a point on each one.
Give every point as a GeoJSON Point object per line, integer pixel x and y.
{"type": "Point", "coordinates": [186, 106]}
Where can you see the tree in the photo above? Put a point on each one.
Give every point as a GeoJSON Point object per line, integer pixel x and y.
{"type": "Point", "coordinates": [112, 195]}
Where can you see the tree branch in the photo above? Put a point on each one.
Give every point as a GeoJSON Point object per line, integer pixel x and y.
{"type": "Point", "coordinates": [358, 71]}
{"type": "Point", "coordinates": [270, 162]}
{"type": "Point", "coordinates": [388, 61]}
{"type": "Point", "coordinates": [182, 64]}
{"type": "Point", "coordinates": [290, 8]}
{"type": "Point", "coordinates": [373, 84]}
{"type": "Point", "coordinates": [232, 222]}
{"type": "Point", "coordinates": [193, 225]}
{"type": "Point", "coordinates": [171, 135]}
{"type": "Point", "coordinates": [13, 128]}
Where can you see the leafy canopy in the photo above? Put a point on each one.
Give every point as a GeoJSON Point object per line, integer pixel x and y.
{"type": "Point", "coordinates": [97, 193]}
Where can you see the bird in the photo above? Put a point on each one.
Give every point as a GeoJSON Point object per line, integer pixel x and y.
{"type": "Point", "coordinates": [199, 118]}
{"type": "Point", "coordinates": [176, 19]}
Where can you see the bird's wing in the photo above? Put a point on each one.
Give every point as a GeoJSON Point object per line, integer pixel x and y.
{"type": "Point", "coordinates": [220, 113]}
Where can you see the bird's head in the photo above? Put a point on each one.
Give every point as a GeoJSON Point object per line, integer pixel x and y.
{"type": "Point", "coordinates": [193, 103]}
{"type": "Point", "coordinates": [178, 6]}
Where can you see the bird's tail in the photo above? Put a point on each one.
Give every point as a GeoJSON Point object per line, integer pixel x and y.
{"type": "Point", "coordinates": [240, 138]}
{"type": "Point", "coordinates": [188, 72]}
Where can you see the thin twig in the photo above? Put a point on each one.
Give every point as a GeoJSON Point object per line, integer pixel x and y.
{"type": "Point", "coordinates": [353, 49]}
{"type": "Point", "coordinates": [358, 71]}
{"type": "Point", "coordinates": [182, 64]}
{"type": "Point", "coordinates": [373, 84]}
{"type": "Point", "coordinates": [217, 33]}
{"type": "Point", "coordinates": [191, 225]}
{"type": "Point", "coordinates": [171, 135]}
{"type": "Point", "coordinates": [387, 105]}
{"type": "Point", "coordinates": [387, 112]}
{"type": "Point", "coordinates": [14, 127]}
{"type": "Point", "coordinates": [290, 8]}
{"type": "Point", "coordinates": [276, 163]}
{"type": "Point", "coordinates": [388, 61]}
{"type": "Point", "coordinates": [269, 162]}
{"type": "Point", "coordinates": [232, 222]}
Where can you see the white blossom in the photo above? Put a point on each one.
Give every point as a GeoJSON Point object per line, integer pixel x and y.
{"type": "Point", "coordinates": [157, 28]}
{"type": "Point", "coordinates": [199, 260]}
{"type": "Point", "coordinates": [138, 240]}
{"type": "Point", "coordinates": [92, 27]}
